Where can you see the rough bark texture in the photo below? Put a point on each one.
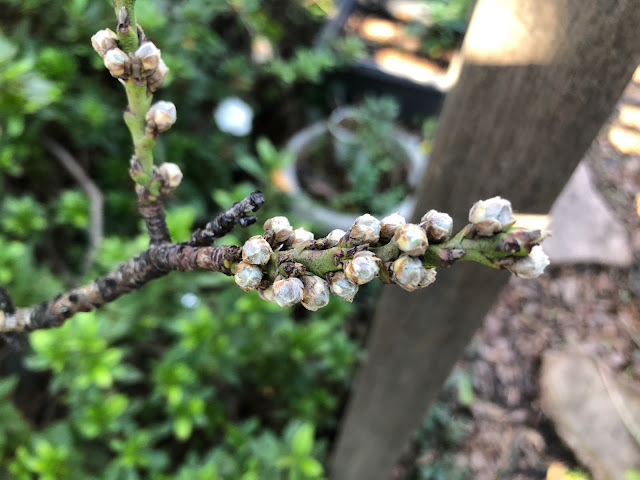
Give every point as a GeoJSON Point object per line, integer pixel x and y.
{"type": "Point", "coordinates": [153, 263]}
{"type": "Point", "coordinates": [539, 79]}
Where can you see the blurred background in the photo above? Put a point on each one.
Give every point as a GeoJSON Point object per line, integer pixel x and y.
{"type": "Point", "coordinates": [331, 110]}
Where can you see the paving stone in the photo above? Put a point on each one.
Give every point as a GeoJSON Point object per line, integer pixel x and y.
{"type": "Point", "coordinates": [596, 413]}
{"type": "Point", "coordinates": [583, 228]}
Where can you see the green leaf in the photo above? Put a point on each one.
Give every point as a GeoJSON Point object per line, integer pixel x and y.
{"type": "Point", "coordinates": [182, 427]}
{"type": "Point", "coordinates": [465, 389]}
{"type": "Point", "coordinates": [311, 467]}
{"type": "Point", "coordinates": [302, 441]}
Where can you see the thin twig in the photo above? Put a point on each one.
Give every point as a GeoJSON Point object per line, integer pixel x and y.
{"type": "Point", "coordinates": [224, 223]}
{"type": "Point", "coordinates": [94, 194]}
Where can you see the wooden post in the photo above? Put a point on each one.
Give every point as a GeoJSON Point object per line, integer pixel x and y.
{"type": "Point", "coordinates": [539, 79]}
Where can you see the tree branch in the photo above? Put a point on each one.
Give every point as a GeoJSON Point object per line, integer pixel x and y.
{"type": "Point", "coordinates": [157, 261]}
{"type": "Point", "coordinates": [224, 223]}
{"type": "Point", "coordinates": [94, 194]}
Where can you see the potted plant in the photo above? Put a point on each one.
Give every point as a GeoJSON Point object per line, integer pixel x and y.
{"type": "Point", "coordinates": [358, 159]}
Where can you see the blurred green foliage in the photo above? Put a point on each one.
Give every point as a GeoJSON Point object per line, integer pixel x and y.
{"type": "Point", "coordinates": [186, 378]}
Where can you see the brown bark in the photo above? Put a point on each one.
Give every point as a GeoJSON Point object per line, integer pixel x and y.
{"type": "Point", "coordinates": [153, 263]}
{"type": "Point", "coordinates": [539, 79]}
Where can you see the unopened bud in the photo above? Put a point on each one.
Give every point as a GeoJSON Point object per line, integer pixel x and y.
{"type": "Point", "coordinates": [156, 79]}
{"type": "Point", "coordinates": [411, 239]}
{"type": "Point", "coordinates": [407, 272]}
{"type": "Point", "coordinates": [267, 294]}
{"type": "Point", "coordinates": [491, 216]}
{"type": "Point", "coordinates": [288, 291]}
{"type": "Point", "coordinates": [389, 225]}
{"type": "Point", "coordinates": [256, 251]}
{"type": "Point", "coordinates": [343, 287]}
{"type": "Point", "coordinates": [161, 116]}
{"type": "Point", "coordinates": [315, 293]}
{"type": "Point", "coordinates": [438, 225]}
{"type": "Point", "coordinates": [280, 227]}
{"type": "Point", "coordinates": [532, 265]}
{"type": "Point", "coordinates": [428, 277]}
{"type": "Point", "coordinates": [301, 235]}
{"type": "Point", "coordinates": [103, 41]}
{"type": "Point", "coordinates": [363, 268]}
{"type": "Point", "coordinates": [171, 175]}
{"type": "Point", "coordinates": [149, 56]}
{"type": "Point", "coordinates": [116, 62]}
{"type": "Point", "coordinates": [248, 276]}
{"type": "Point", "coordinates": [366, 229]}
{"type": "Point", "coordinates": [334, 237]}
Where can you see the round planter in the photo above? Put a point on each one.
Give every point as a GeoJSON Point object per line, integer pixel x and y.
{"type": "Point", "coordinates": [327, 218]}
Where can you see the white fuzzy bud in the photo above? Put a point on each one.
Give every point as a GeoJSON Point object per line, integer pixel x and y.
{"type": "Point", "coordinates": [256, 251]}
{"type": "Point", "coordinates": [248, 276]}
{"type": "Point", "coordinates": [161, 116]}
{"type": "Point", "coordinates": [103, 41]}
{"type": "Point", "coordinates": [438, 225]}
{"type": "Point", "coordinates": [342, 287]}
{"type": "Point", "coordinates": [366, 229]}
{"type": "Point", "coordinates": [532, 265]}
{"type": "Point", "coordinates": [280, 227]}
{"type": "Point", "coordinates": [407, 272]}
{"type": "Point", "coordinates": [428, 277]}
{"type": "Point", "coordinates": [315, 293]}
{"type": "Point", "coordinates": [287, 291]}
{"type": "Point", "coordinates": [171, 174]}
{"type": "Point", "coordinates": [389, 225]}
{"type": "Point", "coordinates": [301, 235]}
{"type": "Point", "coordinates": [363, 268]}
{"type": "Point", "coordinates": [149, 56]}
{"type": "Point", "coordinates": [156, 79]}
{"type": "Point", "coordinates": [491, 216]}
{"type": "Point", "coordinates": [411, 239]}
{"type": "Point", "coordinates": [116, 62]}
{"type": "Point", "coordinates": [334, 237]}
{"type": "Point", "coordinates": [267, 294]}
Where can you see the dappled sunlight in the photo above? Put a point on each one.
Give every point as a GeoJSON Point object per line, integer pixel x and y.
{"type": "Point", "coordinates": [626, 140]}
{"type": "Point", "coordinates": [494, 38]}
{"type": "Point", "coordinates": [532, 221]}
{"type": "Point", "coordinates": [629, 116]}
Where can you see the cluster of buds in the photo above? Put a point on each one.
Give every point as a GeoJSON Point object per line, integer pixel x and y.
{"type": "Point", "coordinates": [289, 266]}
{"type": "Point", "coordinates": [144, 65]}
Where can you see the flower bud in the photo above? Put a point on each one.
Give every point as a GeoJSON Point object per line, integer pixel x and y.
{"type": "Point", "coordinates": [267, 294]}
{"type": "Point", "coordinates": [161, 116]}
{"type": "Point", "coordinates": [343, 287]}
{"type": "Point", "coordinates": [315, 293]}
{"type": "Point", "coordinates": [532, 265]}
{"type": "Point", "coordinates": [366, 229]}
{"type": "Point", "coordinates": [389, 225]}
{"type": "Point", "coordinates": [334, 237]}
{"type": "Point", "coordinates": [103, 41]}
{"type": "Point", "coordinates": [171, 175]}
{"type": "Point", "coordinates": [301, 235]}
{"type": "Point", "coordinates": [256, 251]}
{"type": "Point", "coordinates": [280, 227]}
{"type": "Point", "coordinates": [287, 291]}
{"type": "Point", "coordinates": [407, 272]}
{"type": "Point", "coordinates": [363, 268]}
{"type": "Point", "coordinates": [411, 239]}
{"type": "Point", "coordinates": [149, 56]}
{"type": "Point", "coordinates": [248, 276]}
{"type": "Point", "coordinates": [428, 277]}
{"type": "Point", "coordinates": [156, 79]}
{"type": "Point", "coordinates": [438, 225]}
{"type": "Point", "coordinates": [491, 216]}
{"type": "Point", "coordinates": [116, 62]}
